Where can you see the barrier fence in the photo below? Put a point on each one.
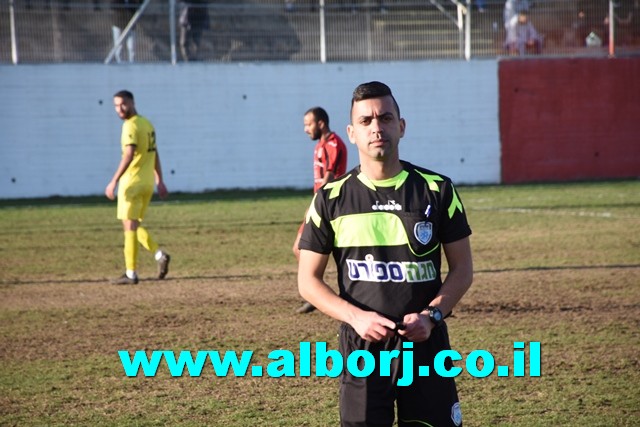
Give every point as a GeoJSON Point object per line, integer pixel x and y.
{"type": "Point", "coordinates": [62, 31]}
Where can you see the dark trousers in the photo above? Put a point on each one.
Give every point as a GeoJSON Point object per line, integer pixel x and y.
{"type": "Point", "coordinates": [371, 400]}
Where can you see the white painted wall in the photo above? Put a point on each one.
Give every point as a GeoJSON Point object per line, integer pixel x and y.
{"type": "Point", "coordinates": [233, 125]}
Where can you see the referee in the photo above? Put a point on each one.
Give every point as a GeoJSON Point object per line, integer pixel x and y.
{"type": "Point", "coordinates": [386, 223]}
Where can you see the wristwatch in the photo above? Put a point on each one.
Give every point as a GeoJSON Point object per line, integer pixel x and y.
{"type": "Point", "coordinates": [435, 315]}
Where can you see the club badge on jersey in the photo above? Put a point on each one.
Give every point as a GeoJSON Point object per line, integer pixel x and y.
{"type": "Point", "coordinates": [456, 414]}
{"type": "Point", "coordinates": [423, 231]}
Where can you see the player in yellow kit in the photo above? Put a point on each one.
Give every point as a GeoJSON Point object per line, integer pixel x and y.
{"type": "Point", "coordinates": [138, 171]}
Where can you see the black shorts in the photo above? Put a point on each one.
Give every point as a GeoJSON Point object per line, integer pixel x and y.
{"type": "Point", "coordinates": [369, 401]}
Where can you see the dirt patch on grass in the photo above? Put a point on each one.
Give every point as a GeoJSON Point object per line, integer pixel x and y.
{"type": "Point", "coordinates": [73, 320]}
{"type": "Point", "coordinates": [586, 319]}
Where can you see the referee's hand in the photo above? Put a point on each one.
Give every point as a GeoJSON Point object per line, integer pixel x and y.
{"type": "Point", "coordinates": [417, 327]}
{"type": "Point", "coordinates": [373, 327]}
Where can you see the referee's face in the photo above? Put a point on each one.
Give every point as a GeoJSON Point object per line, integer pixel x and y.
{"type": "Point", "coordinates": [376, 129]}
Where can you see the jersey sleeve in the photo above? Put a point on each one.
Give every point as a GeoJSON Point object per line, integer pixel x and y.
{"type": "Point", "coordinates": [454, 224]}
{"type": "Point", "coordinates": [317, 233]}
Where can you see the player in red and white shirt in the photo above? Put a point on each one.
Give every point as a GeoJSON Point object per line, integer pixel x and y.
{"type": "Point", "coordinates": [329, 162]}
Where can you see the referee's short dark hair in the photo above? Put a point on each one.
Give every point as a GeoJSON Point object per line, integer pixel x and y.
{"type": "Point", "coordinates": [320, 114]}
{"type": "Point", "coordinates": [373, 90]}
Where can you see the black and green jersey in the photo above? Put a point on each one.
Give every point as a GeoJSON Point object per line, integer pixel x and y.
{"type": "Point", "coordinates": [386, 236]}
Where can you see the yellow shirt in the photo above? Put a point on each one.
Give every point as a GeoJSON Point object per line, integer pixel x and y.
{"type": "Point", "coordinates": [139, 131]}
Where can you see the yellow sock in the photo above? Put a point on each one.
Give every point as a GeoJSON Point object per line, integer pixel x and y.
{"type": "Point", "coordinates": [130, 250]}
{"type": "Point", "coordinates": [146, 240]}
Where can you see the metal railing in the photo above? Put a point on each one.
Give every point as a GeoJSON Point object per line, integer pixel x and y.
{"type": "Point", "coordinates": [61, 31]}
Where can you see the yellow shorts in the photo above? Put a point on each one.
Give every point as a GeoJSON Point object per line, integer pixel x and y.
{"type": "Point", "coordinates": [133, 201]}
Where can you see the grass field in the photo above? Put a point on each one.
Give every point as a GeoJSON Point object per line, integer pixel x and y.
{"type": "Point", "coordinates": [558, 264]}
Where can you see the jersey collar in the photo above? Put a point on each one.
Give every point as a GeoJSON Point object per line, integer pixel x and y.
{"type": "Point", "coordinates": [395, 181]}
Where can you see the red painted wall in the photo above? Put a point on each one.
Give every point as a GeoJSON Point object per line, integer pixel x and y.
{"type": "Point", "coordinates": [569, 119]}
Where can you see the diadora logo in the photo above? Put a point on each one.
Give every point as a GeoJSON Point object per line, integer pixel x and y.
{"type": "Point", "coordinates": [377, 271]}
{"type": "Point", "coordinates": [390, 206]}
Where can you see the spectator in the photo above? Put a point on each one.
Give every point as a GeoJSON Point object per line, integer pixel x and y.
{"type": "Point", "coordinates": [513, 7]}
{"type": "Point", "coordinates": [123, 11]}
{"type": "Point", "coordinates": [621, 24]}
{"type": "Point", "coordinates": [522, 36]}
{"type": "Point", "coordinates": [194, 19]}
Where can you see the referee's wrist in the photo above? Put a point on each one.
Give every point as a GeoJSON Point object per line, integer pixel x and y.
{"type": "Point", "coordinates": [434, 314]}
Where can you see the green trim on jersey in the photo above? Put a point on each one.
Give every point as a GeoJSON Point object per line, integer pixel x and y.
{"type": "Point", "coordinates": [432, 180]}
{"type": "Point", "coordinates": [336, 186]}
{"type": "Point", "coordinates": [312, 213]}
{"type": "Point", "coordinates": [363, 179]}
{"type": "Point", "coordinates": [371, 229]}
{"type": "Point", "coordinates": [455, 203]}
{"type": "Point", "coordinates": [395, 182]}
